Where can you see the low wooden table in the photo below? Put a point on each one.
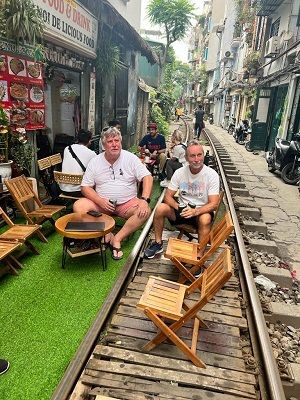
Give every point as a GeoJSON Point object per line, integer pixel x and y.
{"type": "Point", "coordinates": [68, 236]}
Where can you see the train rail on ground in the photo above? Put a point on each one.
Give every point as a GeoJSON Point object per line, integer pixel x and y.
{"type": "Point", "coordinates": [236, 347]}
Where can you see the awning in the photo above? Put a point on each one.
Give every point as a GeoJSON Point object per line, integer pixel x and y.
{"type": "Point", "coordinates": [130, 35]}
{"type": "Point", "coordinates": [267, 7]}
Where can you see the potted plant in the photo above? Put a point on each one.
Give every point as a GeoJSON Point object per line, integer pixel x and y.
{"type": "Point", "coordinates": [5, 163]}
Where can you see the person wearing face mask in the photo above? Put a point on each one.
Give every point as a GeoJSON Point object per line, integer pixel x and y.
{"type": "Point", "coordinates": [198, 186]}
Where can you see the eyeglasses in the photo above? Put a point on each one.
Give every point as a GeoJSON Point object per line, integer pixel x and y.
{"type": "Point", "coordinates": [112, 173]}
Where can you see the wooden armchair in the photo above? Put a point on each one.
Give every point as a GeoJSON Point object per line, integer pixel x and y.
{"type": "Point", "coordinates": [69, 179]}
{"type": "Point", "coordinates": [22, 192]}
{"type": "Point", "coordinates": [183, 253]}
{"type": "Point", "coordinates": [165, 300]}
{"type": "Point", "coordinates": [10, 262]}
{"type": "Point", "coordinates": [19, 232]}
{"type": "Point", "coordinates": [189, 230]}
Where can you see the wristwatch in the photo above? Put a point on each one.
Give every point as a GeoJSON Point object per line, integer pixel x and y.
{"type": "Point", "coordinates": [146, 199]}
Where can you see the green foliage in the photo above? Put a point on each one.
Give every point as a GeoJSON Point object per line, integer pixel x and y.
{"type": "Point", "coordinates": [157, 116]}
{"type": "Point", "coordinates": [108, 59]}
{"type": "Point", "coordinates": [252, 60]}
{"type": "Point", "coordinates": [22, 154]}
{"type": "Point", "coordinates": [174, 16]}
{"type": "Point", "coordinates": [201, 20]}
{"type": "Point", "coordinates": [21, 21]}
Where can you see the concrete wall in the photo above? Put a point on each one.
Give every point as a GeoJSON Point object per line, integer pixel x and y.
{"type": "Point", "coordinates": [130, 10]}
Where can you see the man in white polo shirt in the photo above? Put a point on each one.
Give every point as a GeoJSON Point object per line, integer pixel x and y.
{"type": "Point", "coordinates": [109, 185]}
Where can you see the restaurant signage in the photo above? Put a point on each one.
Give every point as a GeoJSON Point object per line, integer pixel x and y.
{"type": "Point", "coordinates": [22, 91]}
{"type": "Point", "coordinates": [69, 24]}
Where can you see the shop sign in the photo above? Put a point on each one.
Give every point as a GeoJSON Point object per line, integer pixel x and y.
{"type": "Point", "coordinates": [22, 91]}
{"type": "Point", "coordinates": [91, 118]}
{"type": "Point", "coordinates": [70, 24]}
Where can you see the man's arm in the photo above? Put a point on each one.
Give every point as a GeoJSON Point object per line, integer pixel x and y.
{"type": "Point", "coordinates": [211, 206]}
{"type": "Point", "coordinates": [170, 200]}
{"type": "Point", "coordinates": [89, 193]}
{"type": "Point", "coordinates": [147, 186]}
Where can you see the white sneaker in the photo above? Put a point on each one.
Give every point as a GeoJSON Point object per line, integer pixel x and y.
{"type": "Point", "coordinates": [164, 183]}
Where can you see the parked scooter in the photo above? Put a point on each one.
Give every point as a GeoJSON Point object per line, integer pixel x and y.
{"type": "Point", "coordinates": [286, 158]}
{"type": "Point", "coordinates": [211, 118]}
{"type": "Point", "coordinates": [231, 126]}
{"type": "Point", "coordinates": [241, 132]}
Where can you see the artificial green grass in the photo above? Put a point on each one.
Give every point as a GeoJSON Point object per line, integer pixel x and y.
{"type": "Point", "coordinates": [46, 311]}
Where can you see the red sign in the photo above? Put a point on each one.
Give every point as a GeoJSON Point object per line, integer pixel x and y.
{"type": "Point", "coordinates": [22, 91]}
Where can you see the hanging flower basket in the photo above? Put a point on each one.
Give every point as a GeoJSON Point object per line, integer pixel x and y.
{"type": "Point", "coordinates": [68, 94]}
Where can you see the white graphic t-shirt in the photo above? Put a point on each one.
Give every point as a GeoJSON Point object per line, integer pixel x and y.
{"type": "Point", "coordinates": [195, 188]}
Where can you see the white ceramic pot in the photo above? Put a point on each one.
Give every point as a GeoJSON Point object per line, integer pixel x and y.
{"type": "Point", "coordinates": [5, 172]}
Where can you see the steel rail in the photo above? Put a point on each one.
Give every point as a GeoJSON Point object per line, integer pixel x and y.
{"type": "Point", "coordinates": [271, 368]}
{"type": "Point", "coordinates": [74, 369]}
{"type": "Point", "coordinates": [83, 352]}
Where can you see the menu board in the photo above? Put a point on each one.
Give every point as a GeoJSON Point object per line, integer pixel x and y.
{"type": "Point", "coordinates": [21, 86]}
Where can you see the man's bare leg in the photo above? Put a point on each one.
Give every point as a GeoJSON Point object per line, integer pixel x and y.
{"type": "Point", "coordinates": [204, 227]}
{"type": "Point", "coordinates": [131, 225]}
{"type": "Point", "coordinates": [163, 211]}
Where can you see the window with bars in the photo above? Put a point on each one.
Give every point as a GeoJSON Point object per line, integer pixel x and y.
{"type": "Point", "coordinates": [275, 28]}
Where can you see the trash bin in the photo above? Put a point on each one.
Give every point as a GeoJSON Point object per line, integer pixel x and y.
{"type": "Point", "coordinates": [258, 136]}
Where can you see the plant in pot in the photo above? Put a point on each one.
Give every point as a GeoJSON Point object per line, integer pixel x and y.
{"type": "Point", "coordinates": [5, 163]}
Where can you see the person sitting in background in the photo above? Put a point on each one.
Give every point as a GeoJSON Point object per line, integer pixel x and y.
{"type": "Point", "coordinates": [198, 187]}
{"type": "Point", "coordinates": [177, 157]}
{"type": "Point", "coordinates": [109, 185]}
{"type": "Point", "coordinates": [115, 123]}
{"type": "Point", "coordinates": [155, 143]}
{"type": "Point", "coordinates": [75, 160]}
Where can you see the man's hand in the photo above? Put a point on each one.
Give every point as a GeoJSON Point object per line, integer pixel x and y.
{"type": "Point", "coordinates": [143, 209]}
{"type": "Point", "coordinates": [105, 204]}
{"type": "Point", "coordinates": [188, 212]}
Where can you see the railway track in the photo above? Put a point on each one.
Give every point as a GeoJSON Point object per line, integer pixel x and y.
{"type": "Point", "coordinates": [236, 347]}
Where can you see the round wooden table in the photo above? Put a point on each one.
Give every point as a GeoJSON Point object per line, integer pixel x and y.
{"type": "Point", "coordinates": [68, 236]}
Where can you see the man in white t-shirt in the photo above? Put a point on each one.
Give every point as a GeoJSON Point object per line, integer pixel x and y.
{"type": "Point", "coordinates": [71, 165]}
{"type": "Point", "coordinates": [198, 187]}
{"type": "Point", "coordinates": [109, 185]}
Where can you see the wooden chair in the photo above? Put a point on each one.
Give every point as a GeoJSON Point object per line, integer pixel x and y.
{"type": "Point", "coordinates": [6, 250]}
{"type": "Point", "coordinates": [19, 232]}
{"type": "Point", "coordinates": [182, 252]}
{"type": "Point", "coordinates": [189, 230]}
{"type": "Point", "coordinates": [22, 192]}
{"type": "Point", "coordinates": [164, 300]}
{"type": "Point", "coordinates": [46, 167]}
{"type": "Point", "coordinates": [69, 179]}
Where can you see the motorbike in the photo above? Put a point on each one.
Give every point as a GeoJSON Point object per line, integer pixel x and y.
{"type": "Point", "coordinates": [211, 118]}
{"type": "Point", "coordinates": [231, 126]}
{"type": "Point", "coordinates": [285, 157]}
{"type": "Point", "coordinates": [241, 133]}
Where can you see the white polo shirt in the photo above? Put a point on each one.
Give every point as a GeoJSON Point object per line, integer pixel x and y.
{"type": "Point", "coordinates": [118, 181]}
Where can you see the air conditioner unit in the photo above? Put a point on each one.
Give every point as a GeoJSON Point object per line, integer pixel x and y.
{"type": "Point", "coordinates": [272, 46]}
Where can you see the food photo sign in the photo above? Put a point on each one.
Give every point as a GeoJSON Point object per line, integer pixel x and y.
{"type": "Point", "coordinates": [21, 86]}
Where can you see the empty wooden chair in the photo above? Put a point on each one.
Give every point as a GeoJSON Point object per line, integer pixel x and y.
{"type": "Point", "coordinates": [189, 230]}
{"type": "Point", "coordinates": [22, 192]}
{"type": "Point", "coordinates": [164, 300]}
{"type": "Point", "coordinates": [7, 247]}
{"type": "Point", "coordinates": [69, 179]}
{"type": "Point", "coordinates": [55, 159]}
{"type": "Point", "coordinates": [44, 163]}
{"type": "Point", "coordinates": [19, 232]}
{"type": "Point", "coordinates": [189, 257]}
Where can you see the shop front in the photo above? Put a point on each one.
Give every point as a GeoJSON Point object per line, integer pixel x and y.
{"type": "Point", "coordinates": [70, 36]}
